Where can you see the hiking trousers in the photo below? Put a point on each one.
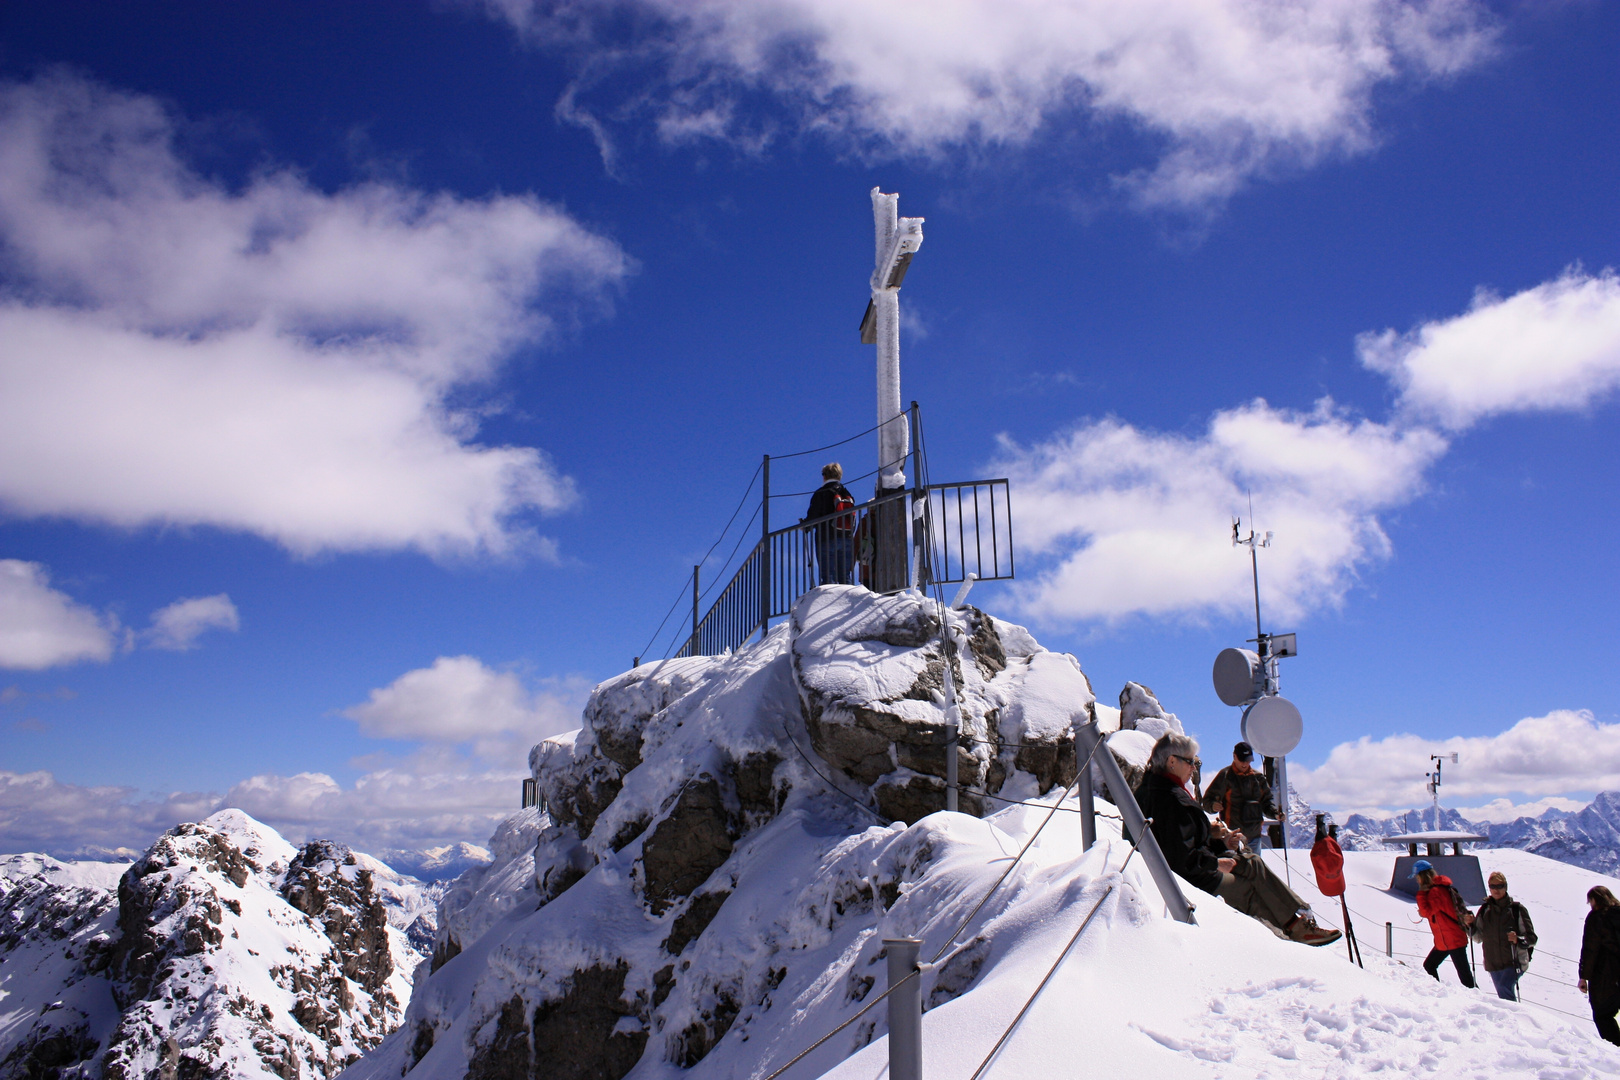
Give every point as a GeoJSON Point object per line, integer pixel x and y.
{"type": "Point", "coordinates": [835, 551]}
{"type": "Point", "coordinates": [1605, 1003]}
{"type": "Point", "coordinates": [1459, 957]}
{"type": "Point", "coordinates": [1262, 896]}
{"type": "Point", "coordinates": [1507, 983]}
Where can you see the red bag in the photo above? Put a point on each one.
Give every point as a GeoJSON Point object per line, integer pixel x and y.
{"type": "Point", "coordinates": [1328, 860]}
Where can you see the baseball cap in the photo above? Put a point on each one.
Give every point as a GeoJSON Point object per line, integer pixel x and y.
{"type": "Point", "coordinates": [1420, 866]}
{"type": "Point", "coordinates": [1243, 752]}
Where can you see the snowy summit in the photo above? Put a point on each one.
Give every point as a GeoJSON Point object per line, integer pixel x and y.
{"type": "Point", "coordinates": [725, 844]}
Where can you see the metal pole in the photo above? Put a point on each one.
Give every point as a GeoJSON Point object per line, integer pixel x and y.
{"type": "Point", "coordinates": [1088, 806]}
{"type": "Point", "coordinates": [693, 651]}
{"type": "Point", "coordinates": [905, 1009]}
{"type": "Point", "coordinates": [953, 725]}
{"type": "Point", "coordinates": [1389, 940]}
{"type": "Point", "coordinates": [1086, 737]}
{"type": "Point", "coordinates": [765, 552]}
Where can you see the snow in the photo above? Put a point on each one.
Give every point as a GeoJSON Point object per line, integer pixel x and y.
{"type": "Point", "coordinates": [807, 893]}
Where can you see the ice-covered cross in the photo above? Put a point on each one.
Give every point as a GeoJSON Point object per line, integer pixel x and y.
{"type": "Point", "coordinates": [898, 239]}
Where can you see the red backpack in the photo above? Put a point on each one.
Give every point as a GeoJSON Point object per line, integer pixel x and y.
{"type": "Point", "coordinates": [844, 507]}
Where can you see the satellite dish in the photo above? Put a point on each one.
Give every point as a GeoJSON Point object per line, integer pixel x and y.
{"type": "Point", "coordinates": [1234, 675]}
{"type": "Point", "coordinates": [1273, 726]}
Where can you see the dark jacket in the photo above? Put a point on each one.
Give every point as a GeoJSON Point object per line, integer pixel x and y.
{"type": "Point", "coordinates": [1182, 831]}
{"type": "Point", "coordinates": [1492, 922]}
{"type": "Point", "coordinates": [1436, 904]}
{"type": "Point", "coordinates": [1244, 801]}
{"type": "Point", "coordinates": [1600, 950]}
{"type": "Point", "coordinates": [823, 502]}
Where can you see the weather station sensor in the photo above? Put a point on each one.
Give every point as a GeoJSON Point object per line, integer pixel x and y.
{"type": "Point", "coordinates": [1271, 724]}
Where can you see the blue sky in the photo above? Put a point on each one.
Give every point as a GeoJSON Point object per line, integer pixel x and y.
{"type": "Point", "coordinates": [372, 376]}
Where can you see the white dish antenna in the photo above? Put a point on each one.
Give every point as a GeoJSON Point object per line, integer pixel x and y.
{"type": "Point", "coordinates": [1235, 673]}
{"type": "Point", "coordinates": [1272, 726]}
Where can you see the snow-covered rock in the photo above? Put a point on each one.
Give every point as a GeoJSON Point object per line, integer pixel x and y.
{"type": "Point", "coordinates": [224, 951]}
{"type": "Point", "coordinates": [711, 886]}
{"type": "Point", "coordinates": [1139, 710]}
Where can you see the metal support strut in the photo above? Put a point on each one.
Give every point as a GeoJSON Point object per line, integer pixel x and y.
{"type": "Point", "coordinates": [1086, 739]}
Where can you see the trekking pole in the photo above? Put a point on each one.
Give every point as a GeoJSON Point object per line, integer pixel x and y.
{"type": "Point", "coordinates": [1350, 933]}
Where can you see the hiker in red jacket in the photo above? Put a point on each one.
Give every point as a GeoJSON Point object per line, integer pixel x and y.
{"type": "Point", "coordinates": [1439, 902]}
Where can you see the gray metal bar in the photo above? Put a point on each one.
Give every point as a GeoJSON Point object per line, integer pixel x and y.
{"type": "Point", "coordinates": [1389, 940]}
{"type": "Point", "coordinates": [905, 1010]}
{"type": "Point", "coordinates": [765, 553]}
{"type": "Point", "coordinates": [1088, 805]}
{"type": "Point", "coordinates": [694, 649]}
{"type": "Point", "coordinates": [1086, 737]}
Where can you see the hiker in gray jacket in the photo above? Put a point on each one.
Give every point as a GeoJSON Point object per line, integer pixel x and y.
{"type": "Point", "coordinates": [1503, 927]}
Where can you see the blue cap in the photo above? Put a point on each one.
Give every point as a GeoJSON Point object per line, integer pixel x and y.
{"type": "Point", "coordinates": [1420, 866]}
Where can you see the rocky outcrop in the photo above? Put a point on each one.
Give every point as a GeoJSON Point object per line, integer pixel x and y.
{"type": "Point", "coordinates": [658, 930]}
{"type": "Point", "coordinates": [871, 679]}
{"type": "Point", "coordinates": [223, 951]}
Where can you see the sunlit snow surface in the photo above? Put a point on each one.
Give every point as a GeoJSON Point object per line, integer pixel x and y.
{"type": "Point", "coordinates": [815, 890]}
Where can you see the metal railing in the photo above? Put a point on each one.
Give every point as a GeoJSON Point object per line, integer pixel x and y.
{"type": "Point", "coordinates": [951, 531]}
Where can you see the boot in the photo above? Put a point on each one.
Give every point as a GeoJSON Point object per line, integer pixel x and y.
{"type": "Point", "coordinates": [1305, 931]}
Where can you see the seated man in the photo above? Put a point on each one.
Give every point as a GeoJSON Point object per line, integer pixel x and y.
{"type": "Point", "coordinates": [1215, 860]}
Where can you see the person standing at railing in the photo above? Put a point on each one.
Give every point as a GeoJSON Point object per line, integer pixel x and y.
{"type": "Point", "coordinates": [1600, 961]}
{"type": "Point", "coordinates": [835, 536]}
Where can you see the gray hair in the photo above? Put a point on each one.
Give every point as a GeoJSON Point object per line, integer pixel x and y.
{"type": "Point", "coordinates": [1182, 746]}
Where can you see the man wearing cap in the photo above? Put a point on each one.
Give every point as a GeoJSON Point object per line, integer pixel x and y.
{"type": "Point", "coordinates": [1439, 902]}
{"type": "Point", "coordinates": [1241, 796]}
{"type": "Point", "coordinates": [1503, 927]}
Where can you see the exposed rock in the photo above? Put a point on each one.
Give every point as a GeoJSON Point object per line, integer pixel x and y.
{"type": "Point", "coordinates": [578, 1035]}
{"type": "Point", "coordinates": [691, 923]}
{"type": "Point", "coordinates": [688, 845]}
{"type": "Point", "coordinates": [1139, 710]}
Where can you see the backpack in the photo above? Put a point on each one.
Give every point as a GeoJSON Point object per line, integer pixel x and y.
{"type": "Point", "coordinates": [844, 507]}
{"type": "Point", "coordinates": [1459, 909]}
{"type": "Point", "coordinates": [1525, 950]}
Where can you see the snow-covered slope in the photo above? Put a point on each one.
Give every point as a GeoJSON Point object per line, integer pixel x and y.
{"type": "Point", "coordinates": [223, 952]}
{"type": "Point", "coordinates": [715, 871]}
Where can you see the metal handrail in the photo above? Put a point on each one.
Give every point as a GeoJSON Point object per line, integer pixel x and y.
{"type": "Point", "coordinates": [781, 567]}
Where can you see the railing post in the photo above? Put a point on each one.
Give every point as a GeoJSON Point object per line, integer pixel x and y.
{"type": "Point", "coordinates": [1088, 805]}
{"type": "Point", "coordinates": [905, 1009]}
{"type": "Point", "coordinates": [765, 552]}
{"type": "Point", "coordinates": [914, 533]}
{"type": "Point", "coordinates": [693, 650]}
{"type": "Point", "coordinates": [1389, 940]}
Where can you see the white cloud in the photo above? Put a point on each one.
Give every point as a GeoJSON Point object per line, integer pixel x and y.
{"type": "Point", "coordinates": [39, 813]}
{"type": "Point", "coordinates": [1135, 522]}
{"type": "Point", "coordinates": [393, 807]}
{"type": "Point", "coordinates": [41, 627]}
{"type": "Point", "coordinates": [178, 626]}
{"type": "Point", "coordinates": [1226, 88]}
{"type": "Point", "coordinates": [1555, 346]}
{"type": "Point", "coordinates": [273, 359]}
{"type": "Point", "coordinates": [460, 700]}
{"type": "Point", "coordinates": [1562, 752]}
{"type": "Point", "coordinates": [1503, 810]}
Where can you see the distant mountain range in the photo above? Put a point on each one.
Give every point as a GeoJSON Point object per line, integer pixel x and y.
{"type": "Point", "coordinates": [1588, 838]}
{"type": "Point", "coordinates": [436, 863]}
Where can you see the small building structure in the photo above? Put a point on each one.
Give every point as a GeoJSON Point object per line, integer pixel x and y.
{"type": "Point", "coordinates": [1463, 870]}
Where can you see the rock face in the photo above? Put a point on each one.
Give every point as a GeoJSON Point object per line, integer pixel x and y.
{"type": "Point", "coordinates": [713, 827]}
{"type": "Point", "coordinates": [870, 674]}
{"type": "Point", "coordinates": [222, 952]}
